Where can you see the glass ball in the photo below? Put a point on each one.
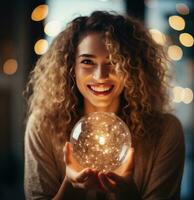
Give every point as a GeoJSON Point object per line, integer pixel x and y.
{"type": "Point", "coordinates": [100, 141]}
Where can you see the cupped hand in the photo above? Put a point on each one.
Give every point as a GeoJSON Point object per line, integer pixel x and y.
{"type": "Point", "coordinates": [79, 177]}
{"type": "Point", "coordinates": [120, 181]}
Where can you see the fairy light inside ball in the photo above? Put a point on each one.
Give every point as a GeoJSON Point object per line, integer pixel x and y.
{"type": "Point", "coordinates": [100, 140]}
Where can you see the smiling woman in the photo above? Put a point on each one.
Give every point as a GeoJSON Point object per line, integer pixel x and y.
{"type": "Point", "coordinates": [102, 63]}
{"type": "Point", "coordinates": [96, 78]}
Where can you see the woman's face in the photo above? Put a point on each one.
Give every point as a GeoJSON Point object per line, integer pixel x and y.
{"type": "Point", "coordinates": [96, 78]}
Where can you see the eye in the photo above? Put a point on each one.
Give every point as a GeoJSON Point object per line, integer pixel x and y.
{"type": "Point", "coordinates": [87, 62]}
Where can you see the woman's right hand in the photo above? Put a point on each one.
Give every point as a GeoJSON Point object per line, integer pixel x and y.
{"type": "Point", "coordinates": [80, 178]}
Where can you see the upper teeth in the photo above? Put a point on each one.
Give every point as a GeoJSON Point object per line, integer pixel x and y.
{"type": "Point", "coordinates": [100, 89]}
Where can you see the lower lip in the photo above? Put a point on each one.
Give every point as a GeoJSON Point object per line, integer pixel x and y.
{"type": "Point", "coordinates": [104, 93]}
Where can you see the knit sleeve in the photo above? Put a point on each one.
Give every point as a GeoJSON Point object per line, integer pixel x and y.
{"type": "Point", "coordinates": [41, 177]}
{"type": "Point", "coordinates": [166, 174]}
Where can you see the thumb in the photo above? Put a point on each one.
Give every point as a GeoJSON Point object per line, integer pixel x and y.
{"type": "Point", "coordinates": [129, 159]}
{"type": "Point", "coordinates": [67, 152]}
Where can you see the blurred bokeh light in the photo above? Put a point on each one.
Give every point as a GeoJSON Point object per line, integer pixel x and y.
{"type": "Point", "coordinates": [39, 13]}
{"type": "Point", "coordinates": [52, 28]}
{"type": "Point", "coordinates": [158, 36]}
{"type": "Point", "coordinates": [10, 66]}
{"type": "Point", "coordinates": [181, 94]}
{"type": "Point", "coordinates": [41, 46]}
{"type": "Point", "coordinates": [187, 96]}
{"type": "Point", "coordinates": [182, 8]}
{"type": "Point", "coordinates": [177, 22]}
{"type": "Point", "coordinates": [186, 39]}
{"type": "Point", "coordinates": [175, 52]}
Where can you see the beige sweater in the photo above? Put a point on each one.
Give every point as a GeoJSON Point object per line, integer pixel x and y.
{"type": "Point", "coordinates": [157, 172]}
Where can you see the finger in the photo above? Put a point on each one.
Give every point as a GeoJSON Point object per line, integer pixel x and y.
{"type": "Point", "coordinates": [83, 175]}
{"type": "Point", "coordinates": [90, 185]}
{"type": "Point", "coordinates": [68, 145]}
{"type": "Point", "coordinates": [106, 184]}
{"type": "Point", "coordinates": [84, 185]}
{"type": "Point", "coordinates": [114, 177]}
{"type": "Point", "coordinates": [78, 185]}
{"type": "Point", "coordinates": [88, 174]}
{"type": "Point", "coordinates": [120, 181]}
{"type": "Point", "coordinates": [67, 152]}
{"type": "Point", "coordinates": [75, 176]}
{"type": "Point", "coordinates": [129, 159]}
{"type": "Point", "coordinates": [85, 180]}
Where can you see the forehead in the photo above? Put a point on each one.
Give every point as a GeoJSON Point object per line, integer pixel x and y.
{"type": "Point", "coordinates": [92, 43]}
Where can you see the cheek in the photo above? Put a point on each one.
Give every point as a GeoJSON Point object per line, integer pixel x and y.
{"type": "Point", "coordinates": [78, 80]}
{"type": "Point", "coordinates": [118, 80]}
{"type": "Point", "coordinates": [79, 84]}
{"type": "Point", "coordinates": [78, 75]}
{"type": "Point", "coordinates": [81, 78]}
{"type": "Point", "coordinates": [120, 86]}
{"type": "Point", "coordinates": [80, 72]}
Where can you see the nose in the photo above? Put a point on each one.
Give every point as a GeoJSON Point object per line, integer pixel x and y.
{"type": "Point", "coordinates": [101, 72]}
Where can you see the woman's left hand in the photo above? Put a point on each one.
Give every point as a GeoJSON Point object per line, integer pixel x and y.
{"type": "Point", "coordinates": [120, 181]}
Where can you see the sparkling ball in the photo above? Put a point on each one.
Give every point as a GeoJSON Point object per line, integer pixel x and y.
{"type": "Point", "coordinates": [100, 141]}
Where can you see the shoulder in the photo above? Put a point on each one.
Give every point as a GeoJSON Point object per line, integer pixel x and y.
{"type": "Point", "coordinates": [32, 126]}
{"type": "Point", "coordinates": [35, 131]}
{"type": "Point", "coordinates": [31, 123]}
{"type": "Point", "coordinates": [171, 119]}
{"type": "Point", "coordinates": [172, 137]}
{"type": "Point", "coordinates": [172, 125]}
{"type": "Point", "coordinates": [40, 134]}
{"type": "Point", "coordinates": [163, 127]}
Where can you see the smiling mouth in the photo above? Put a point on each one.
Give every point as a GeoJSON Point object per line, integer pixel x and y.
{"type": "Point", "coordinates": [101, 89]}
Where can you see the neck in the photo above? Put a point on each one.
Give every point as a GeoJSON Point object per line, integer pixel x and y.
{"type": "Point", "coordinates": [88, 108]}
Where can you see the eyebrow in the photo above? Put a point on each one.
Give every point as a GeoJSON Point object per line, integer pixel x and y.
{"type": "Point", "coordinates": [89, 56]}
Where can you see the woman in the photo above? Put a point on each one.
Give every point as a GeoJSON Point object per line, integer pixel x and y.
{"type": "Point", "coordinates": [104, 62]}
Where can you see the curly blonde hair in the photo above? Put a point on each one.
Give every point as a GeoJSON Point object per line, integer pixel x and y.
{"type": "Point", "coordinates": [54, 97]}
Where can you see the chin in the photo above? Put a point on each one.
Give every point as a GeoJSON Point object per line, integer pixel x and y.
{"type": "Point", "coordinates": [101, 106]}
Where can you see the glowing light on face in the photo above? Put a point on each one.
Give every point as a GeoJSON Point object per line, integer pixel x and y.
{"type": "Point", "coordinates": [176, 22]}
{"type": "Point", "coordinates": [100, 140]}
{"type": "Point", "coordinates": [96, 78]}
